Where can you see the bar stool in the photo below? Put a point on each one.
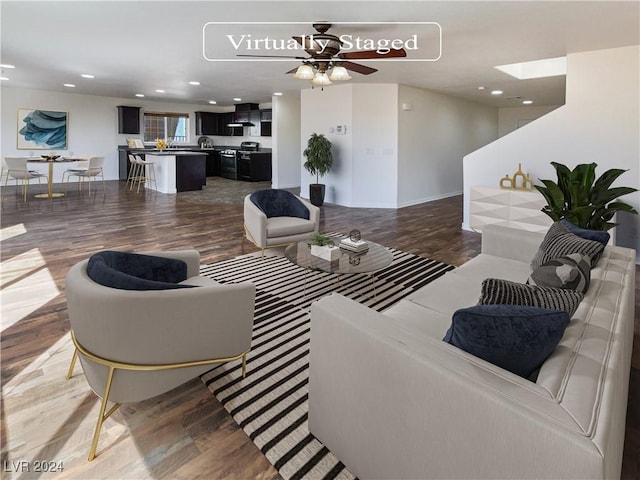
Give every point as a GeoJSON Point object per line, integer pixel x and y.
{"type": "Point", "coordinates": [145, 174]}
{"type": "Point", "coordinates": [133, 171]}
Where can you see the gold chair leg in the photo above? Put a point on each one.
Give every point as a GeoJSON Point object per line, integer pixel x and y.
{"type": "Point", "coordinates": [73, 364]}
{"type": "Point", "coordinates": [244, 365]}
{"type": "Point", "coordinates": [102, 416]}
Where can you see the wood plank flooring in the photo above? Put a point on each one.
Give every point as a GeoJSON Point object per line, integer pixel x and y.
{"type": "Point", "coordinates": [185, 433]}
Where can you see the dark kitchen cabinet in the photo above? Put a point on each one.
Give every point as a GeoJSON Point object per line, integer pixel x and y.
{"type": "Point", "coordinates": [128, 119]}
{"type": "Point", "coordinates": [254, 166]}
{"type": "Point", "coordinates": [231, 131]}
{"type": "Point", "coordinates": [208, 123]}
{"type": "Point", "coordinates": [266, 115]}
{"type": "Point", "coordinates": [213, 164]}
{"type": "Point", "coordinates": [254, 117]}
{"type": "Point", "coordinates": [265, 123]}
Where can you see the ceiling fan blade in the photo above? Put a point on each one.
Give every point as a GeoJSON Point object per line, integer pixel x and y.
{"type": "Point", "coordinates": [365, 54]}
{"type": "Point", "coordinates": [356, 67]}
{"type": "Point", "coordinates": [293, 70]}
{"type": "Point", "coordinates": [271, 56]}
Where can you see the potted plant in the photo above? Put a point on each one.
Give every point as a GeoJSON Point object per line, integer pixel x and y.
{"type": "Point", "coordinates": [581, 199]}
{"type": "Point", "coordinates": [323, 246]}
{"type": "Point", "coordinates": [318, 163]}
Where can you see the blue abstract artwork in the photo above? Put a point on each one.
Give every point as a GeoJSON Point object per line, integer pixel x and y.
{"type": "Point", "coordinates": [42, 129]}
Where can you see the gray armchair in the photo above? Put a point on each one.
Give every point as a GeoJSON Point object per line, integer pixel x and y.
{"type": "Point", "coordinates": [274, 218]}
{"type": "Point", "coordinates": [136, 344]}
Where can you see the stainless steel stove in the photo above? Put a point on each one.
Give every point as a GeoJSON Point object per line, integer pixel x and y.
{"type": "Point", "coordinates": [229, 159]}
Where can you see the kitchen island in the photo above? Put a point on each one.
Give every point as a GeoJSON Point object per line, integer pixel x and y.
{"type": "Point", "coordinates": [178, 171]}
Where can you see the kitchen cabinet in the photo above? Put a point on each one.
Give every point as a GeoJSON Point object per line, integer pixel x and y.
{"type": "Point", "coordinates": [231, 131]}
{"type": "Point", "coordinates": [208, 123]}
{"type": "Point", "coordinates": [254, 117]}
{"type": "Point", "coordinates": [128, 119]}
{"type": "Point", "coordinates": [265, 123]}
{"type": "Point", "coordinates": [254, 166]}
{"type": "Point", "coordinates": [213, 164]}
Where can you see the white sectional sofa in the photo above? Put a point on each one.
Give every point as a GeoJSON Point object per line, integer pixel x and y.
{"type": "Point", "coordinates": [392, 400]}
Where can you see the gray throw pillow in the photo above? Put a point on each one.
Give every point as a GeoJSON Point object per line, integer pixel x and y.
{"type": "Point", "coordinates": [571, 271]}
{"type": "Point", "coordinates": [559, 242]}
{"type": "Point", "coordinates": [496, 291]}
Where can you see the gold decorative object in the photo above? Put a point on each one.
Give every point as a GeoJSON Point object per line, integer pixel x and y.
{"type": "Point", "coordinates": [520, 181]}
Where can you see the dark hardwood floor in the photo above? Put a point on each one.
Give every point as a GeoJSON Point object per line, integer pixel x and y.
{"type": "Point", "coordinates": [185, 433]}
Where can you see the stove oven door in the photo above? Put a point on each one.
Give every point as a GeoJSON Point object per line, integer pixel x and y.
{"type": "Point", "coordinates": [228, 165]}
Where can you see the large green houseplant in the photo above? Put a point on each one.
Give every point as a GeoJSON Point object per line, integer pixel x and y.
{"type": "Point", "coordinates": [581, 199]}
{"type": "Point", "coordinates": [318, 163]}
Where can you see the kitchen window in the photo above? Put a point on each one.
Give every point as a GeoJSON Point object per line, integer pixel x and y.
{"type": "Point", "coordinates": [173, 127]}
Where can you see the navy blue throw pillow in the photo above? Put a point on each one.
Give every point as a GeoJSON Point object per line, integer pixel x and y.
{"type": "Point", "coordinates": [595, 235]}
{"type": "Point", "coordinates": [133, 271]}
{"type": "Point", "coordinates": [514, 337]}
{"type": "Point", "coordinates": [279, 203]}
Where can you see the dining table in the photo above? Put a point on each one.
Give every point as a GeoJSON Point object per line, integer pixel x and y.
{"type": "Point", "coordinates": [51, 161]}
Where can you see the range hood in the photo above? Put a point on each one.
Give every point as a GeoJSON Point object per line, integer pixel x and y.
{"type": "Point", "coordinates": [240, 124]}
{"type": "Point", "coordinates": [242, 115]}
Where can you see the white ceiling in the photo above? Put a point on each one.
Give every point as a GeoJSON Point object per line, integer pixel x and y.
{"type": "Point", "coordinates": [138, 46]}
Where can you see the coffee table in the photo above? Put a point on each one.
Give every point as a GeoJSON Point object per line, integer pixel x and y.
{"type": "Point", "coordinates": [374, 259]}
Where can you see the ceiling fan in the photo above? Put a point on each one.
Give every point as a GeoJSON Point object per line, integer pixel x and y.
{"type": "Point", "coordinates": [326, 61]}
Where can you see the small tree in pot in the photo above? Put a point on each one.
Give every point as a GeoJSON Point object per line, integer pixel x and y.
{"type": "Point", "coordinates": [319, 161]}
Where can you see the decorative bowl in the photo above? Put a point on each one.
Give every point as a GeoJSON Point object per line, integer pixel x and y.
{"type": "Point", "coordinates": [50, 157]}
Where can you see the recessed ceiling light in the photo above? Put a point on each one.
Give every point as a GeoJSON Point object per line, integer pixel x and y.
{"type": "Point", "coordinates": [140, 95]}
{"type": "Point", "coordinates": [6, 65]}
{"type": "Point", "coordinates": [527, 102]}
{"type": "Point", "coordinates": [212, 102]}
{"type": "Point", "coordinates": [277, 94]}
{"type": "Point", "coordinates": [496, 92]}
{"type": "Point", "coordinates": [159, 90]}
{"type": "Point", "coordinates": [70, 85]}
{"type": "Point", "coordinates": [194, 83]}
{"type": "Point", "coordinates": [4, 78]}
{"type": "Point", "coordinates": [86, 75]}
{"type": "Point", "coordinates": [481, 87]}
{"type": "Point", "coordinates": [237, 99]}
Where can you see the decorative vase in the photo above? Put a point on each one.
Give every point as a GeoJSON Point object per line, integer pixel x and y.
{"type": "Point", "coordinates": [326, 252]}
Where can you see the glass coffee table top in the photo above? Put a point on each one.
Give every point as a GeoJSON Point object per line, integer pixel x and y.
{"type": "Point", "coordinates": [375, 258]}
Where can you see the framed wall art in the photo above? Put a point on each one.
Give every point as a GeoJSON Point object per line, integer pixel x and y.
{"type": "Point", "coordinates": [42, 129]}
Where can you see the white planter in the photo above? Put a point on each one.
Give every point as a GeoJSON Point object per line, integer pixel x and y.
{"type": "Point", "coordinates": [326, 252]}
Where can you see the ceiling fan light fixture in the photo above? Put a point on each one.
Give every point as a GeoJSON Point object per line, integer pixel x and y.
{"type": "Point", "coordinates": [321, 79]}
{"type": "Point", "coordinates": [339, 73]}
{"type": "Point", "coordinates": [304, 72]}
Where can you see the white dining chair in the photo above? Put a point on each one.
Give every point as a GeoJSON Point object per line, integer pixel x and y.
{"type": "Point", "coordinates": [17, 169]}
{"type": "Point", "coordinates": [80, 166]}
{"type": "Point", "coordinates": [90, 173]}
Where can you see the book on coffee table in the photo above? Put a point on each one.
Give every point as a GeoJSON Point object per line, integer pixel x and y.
{"type": "Point", "coordinates": [359, 246]}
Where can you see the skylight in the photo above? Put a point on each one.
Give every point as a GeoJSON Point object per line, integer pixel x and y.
{"type": "Point", "coordinates": [549, 67]}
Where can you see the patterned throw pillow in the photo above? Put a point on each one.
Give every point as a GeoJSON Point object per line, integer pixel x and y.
{"type": "Point", "coordinates": [572, 271]}
{"type": "Point", "coordinates": [496, 291]}
{"type": "Point", "coordinates": [559, 242]}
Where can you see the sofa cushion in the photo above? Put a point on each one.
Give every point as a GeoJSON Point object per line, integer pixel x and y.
{"type": "Point", "coordinates": [595, 235]}
{"type": "Point", "coordinates": [286, 226]}
{"type": "Point", "coordinates": [559, 241]}
{"type": "Point", "coordinates": [279, 203]}
{"type": "Point", "coordinates": [132, 271]}
{"type": "Point", "coordinates": [571, 271]}
{"type": "Point", "coordinates": [516, 338]}
{"type": "Point", "coordinates": [503, 292]}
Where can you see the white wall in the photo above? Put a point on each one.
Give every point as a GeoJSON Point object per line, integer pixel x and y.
{"type": "Point", "coordinates": [319, 111]}
{"type": "Point", "coordinates": [512, 118]}
{"type": "Point", "coordinates": [374, 155]}
{"type": "Point", "coordinates": [286, 154]}
{"type": "Point", "coordinates": [93, 124]}
{"type": "Point", "coordinates": [433, 137]}
{"type": "Point", "coordinates": [600, 123]}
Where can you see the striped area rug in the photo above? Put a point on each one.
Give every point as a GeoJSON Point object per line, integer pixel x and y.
{"type": "Point", "coordinates": [270, 403]}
